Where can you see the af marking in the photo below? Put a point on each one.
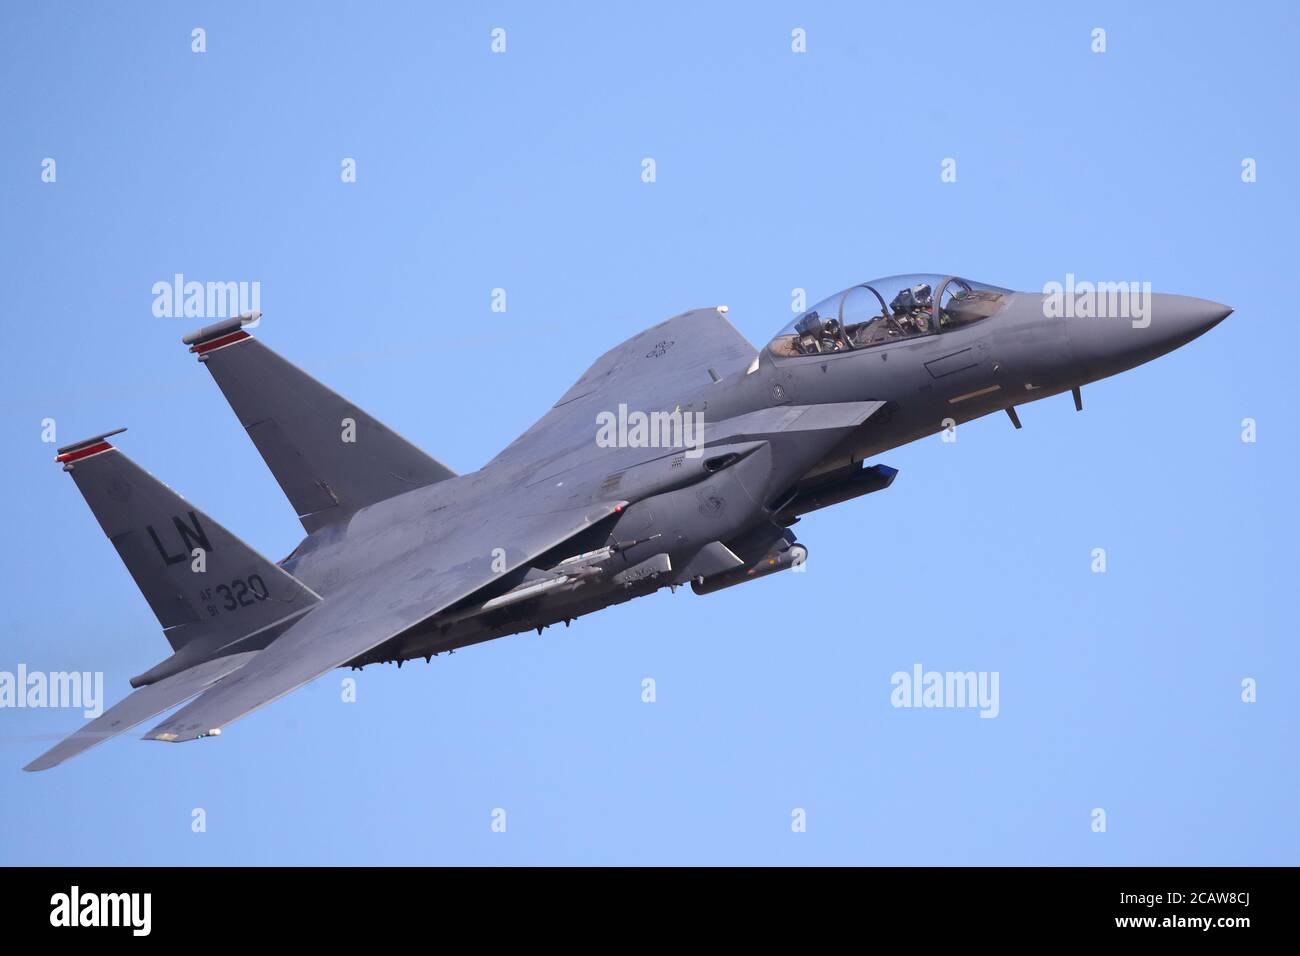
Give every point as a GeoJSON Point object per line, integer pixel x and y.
{"type": "Point", "coordinates": [241, 592]}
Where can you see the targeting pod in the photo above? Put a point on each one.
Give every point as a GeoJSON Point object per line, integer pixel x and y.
{"type": "Point", "coordinates": [773, 562]}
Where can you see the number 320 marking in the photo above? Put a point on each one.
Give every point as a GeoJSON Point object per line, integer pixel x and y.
{"type": "Point", "coordinates": [243, 592]}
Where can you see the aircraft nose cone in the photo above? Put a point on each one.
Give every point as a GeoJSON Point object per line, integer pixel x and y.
{"type": "Point", "coordinates": [1186, 317]}
{"type": "Point", "coordinates": [1117, 341]}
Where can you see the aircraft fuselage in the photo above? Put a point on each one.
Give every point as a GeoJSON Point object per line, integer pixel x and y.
{"type": "Point", "coordinates": [683, 520]}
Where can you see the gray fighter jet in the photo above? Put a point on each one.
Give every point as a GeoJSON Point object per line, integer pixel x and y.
{"type": "Point", "coordinates": [682, 456]}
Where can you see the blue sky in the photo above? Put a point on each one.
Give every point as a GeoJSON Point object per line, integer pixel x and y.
{"type": "Point", "coordinates": [775, 171]}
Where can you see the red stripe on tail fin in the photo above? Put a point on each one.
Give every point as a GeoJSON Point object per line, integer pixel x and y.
{"type": "Point", "coordinates": [219, 343]}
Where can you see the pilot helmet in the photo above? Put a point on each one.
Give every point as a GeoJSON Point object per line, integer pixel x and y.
{"type": "Point", "coordinates": [917, 297]}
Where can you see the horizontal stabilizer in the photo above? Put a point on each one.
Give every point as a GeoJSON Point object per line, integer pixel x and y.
{"type": "Point", "coordinates": [379, 605]}
{"type": "Point", "coordinates": [139, 706]}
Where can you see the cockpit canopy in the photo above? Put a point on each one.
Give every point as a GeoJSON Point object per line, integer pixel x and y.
{"type": "Point", "coordinates": [888, 310]}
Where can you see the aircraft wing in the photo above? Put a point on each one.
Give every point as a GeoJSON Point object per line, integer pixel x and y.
{"type": "Point", "coordinates": [455, 561]}
{"type": "Point", "coordinates": [648, 372]}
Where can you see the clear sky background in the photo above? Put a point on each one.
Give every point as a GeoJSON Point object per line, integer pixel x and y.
{"type": "Point", "coordinates": [775, 171]}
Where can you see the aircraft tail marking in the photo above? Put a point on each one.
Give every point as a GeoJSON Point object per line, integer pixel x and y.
{"type": "Point", "coordinates": [199, 579]}
{"type": "Point", "coordinates": [220, 342]}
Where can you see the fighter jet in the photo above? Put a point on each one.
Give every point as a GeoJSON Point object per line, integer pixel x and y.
{"type": "Point", "coordinates": [682, 456]}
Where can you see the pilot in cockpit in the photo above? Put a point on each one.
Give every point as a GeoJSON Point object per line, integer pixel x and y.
{"type": "Point", "coordinates": [816, 334]}
{"type": "Point", "coordinates": [914, 306]}
{"type": "Point", "coordinates": [833, 336]}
